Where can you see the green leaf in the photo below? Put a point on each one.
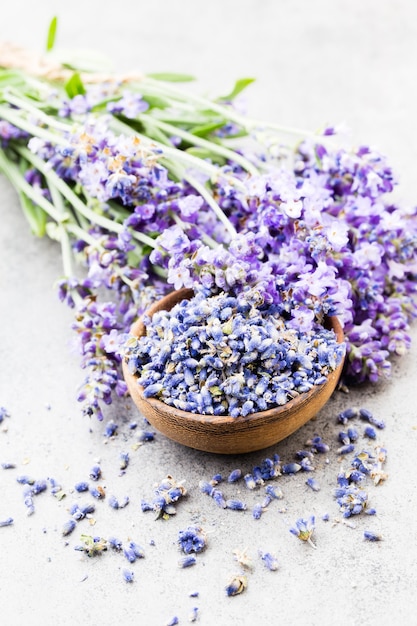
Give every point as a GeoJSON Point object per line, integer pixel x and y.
{"type": "Point", "coordinates": [205, 129]}
{"type": "Point", "coordinates": [50, 41]}
{"type": "Point", "coordinates": [34, 215]}
{"type": "Point", "coordinates": [203, 153]}
{"type": "Point", "coordinates": [75, 86]}
{"type": "Point", "coordinates": [239, 86]}
{"type": "Point", "coordinates": [172, 78]}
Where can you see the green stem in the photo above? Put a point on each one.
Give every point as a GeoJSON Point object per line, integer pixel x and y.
{"type": "Point", "coordinates": [26, 104]}
{"type": "Point", "coordinates": [215, 148]}
{"type": "Point", "coordinates": [76, 202]}
{"type": "Point", "coordinates": [12, 116]}
{"type": "Point", "coordinates": [13, 174]}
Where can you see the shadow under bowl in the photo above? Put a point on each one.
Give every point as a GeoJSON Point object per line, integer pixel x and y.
{"type": "Point", "coordinates": [224, 434]}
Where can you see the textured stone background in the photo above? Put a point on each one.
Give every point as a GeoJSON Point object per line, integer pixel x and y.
{"type": "Point", "coordinates": [316, 62]}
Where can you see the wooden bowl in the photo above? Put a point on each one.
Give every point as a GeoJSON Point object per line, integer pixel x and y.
{"type": "Point", "coordinates": [225, 434]}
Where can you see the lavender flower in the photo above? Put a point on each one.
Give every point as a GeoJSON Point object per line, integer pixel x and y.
{"type": "Point", "coordinates": [269, 560]}
{"type": "Point", "coordinates": [192, 539]}
{"type": "Point", "coordinates": [304, 529]}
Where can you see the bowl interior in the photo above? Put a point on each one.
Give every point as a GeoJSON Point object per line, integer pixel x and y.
{"type": "Point", "coordinates": [226, 434]}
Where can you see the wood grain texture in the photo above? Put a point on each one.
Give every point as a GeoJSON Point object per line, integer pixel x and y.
{"type": "Point", "coordinates": [225, 434]}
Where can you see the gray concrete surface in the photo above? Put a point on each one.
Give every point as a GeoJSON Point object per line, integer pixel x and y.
{"type": "Point", "coordinates": [316, 61]}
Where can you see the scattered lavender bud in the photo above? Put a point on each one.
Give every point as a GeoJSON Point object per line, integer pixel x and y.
{"type": "Point", "coordinates": [133, 551]}
{"type": "Point", "coordinates": [194, 614]}
{"type": "Point", "coordinates": [366, 415]}
{"type": "Point", "coordinates": [290, 468]}
{"type": "Point", "coordinates": [173, 621]}
{"type": "Point", "coordinates": [68, 527]}
{"type": "Point", "coordinates": [95, 472]}
{"type": "Point", "coordinates": [217, 478]}
{"type": "Point", "coordinates": [249, 481]}
{"type": "Point", "coordinates": [346, 449]}
{"type": "Point", "coordinates": [306, 465]}
{"type": "Point", "coordinates": [236, 585]}
{"type": "Point", "coordinates": [257, 511]}
{"type": "Point", "coordinates": [194, 594]}
{"type": "Point", "coordinates": [110, 429]}
{"type": "Point", "coordinates": [39, 486]}
{"type": "Point", "coordinates": [234, 476]}
{"type": "Point", "coordinates": [124, 460]}
{"type": "Point", "coordinates": [325, 517]}
{"type": "Point", "coordinates": [192, 539]}
{"type": "Point", "coordinates": [92, 546]}
{"type": "Point", "coordinates": [343, 438]}
{"type": "Point", "coordinates": [347, 415]}
{"type": "Point", "coordinates": [98, 492]}
{"type": "Point", "coordinates": [317, 445]}
{"type": "Point", "coordinates": [304, 529]}
{"type": "Point", "coordinates": [303, 454]}
{"type": "Point", "coordinates": [133, 425]}
{"type": "Point", "coordinates": [6, 522]}
{"type": "Point", "coordinates": [371, 536]}
{"type": "Point", "coordinates": [313, 484]}
{"type": "Point", "coordinates": [274, 492]}
{"type": "Point", "coordinates": [115, 544]}
{"type": "Point", "coordinates": [269, 560]}
{"type": "Point", "coordinates": [370, 432]}
{"type": "Point", "coordinates": [128, 575]}
{"type": "Point", "coordinates": [235, 505]}
{"type": "Point", "coordinates": [370, 511]}
{"type": "Point", "coordinates": [7, 465]}
{"type": "Point", "coordinates": [352, 434]}
{"type": "Point", "coordinates": [218, 498]}
{"type": "Point", "coordinates": [378, 423]}
{"type": "Point", "coordinates": [3, 413]}
{"type": "Point", "coordinates": [145, 436]}
{"type": "Point", "coordinates": [187, 561]}
{"type": "Point", "coordinates": [81, 486]}
{"type": "Point", "coordinates": [25, 480]}
{"type": "Point", "coordinates": [115, 504]}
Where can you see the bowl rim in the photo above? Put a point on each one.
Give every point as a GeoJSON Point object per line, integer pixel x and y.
{"type": "Point", "coordinates": [272, 414]}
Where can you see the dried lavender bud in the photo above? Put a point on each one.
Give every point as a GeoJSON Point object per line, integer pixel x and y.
{"type": "Point", "coordinates": [95, 472]}
{"type": "Point", "coordinates": [371, 536]}
{"type": "Point", "coordinates": [236, 585]}
{"type": "Point", "coordinates": [192, 539]}
{"type": "Point", "coordinates": [347, 415]}
{"type": "Point", "coordinates": [313, 484]}
{"type": "Point", "coordinates": [274, 492]}
{"type": "Point", "coordinates": [187, 561]}
{"type": "Point", "coordinates": [235, 505]}
{"type": "Point", "coordinates": [304, 529]}
{"type": "Point", "coordinates": [234, 476]}
{"type": "Point", "coordinates": [128, 575]}
{"type": "Point", "coordinates": [98, 492]}
{"type": "Point", "coordinates": [111, 429]}
{"type": "Point", "coordinates": [290, 468]}
{"type": "Point", "coordinates": [269, 560]}
{"type": "Point", "coordinates": [370, 432]}
{"type": "Point", "coordinates": [39, 486]}
{"type": "Point", "coordinates": [68, 527]}
{"type": "Point", "coordinates": [8, 465]}
{"type": "Point", "coordinates": [6, 522]}
{"type": "Point", "coordinates": [115, 544]}
{"type": "Point", "coordinates": [81, 486]}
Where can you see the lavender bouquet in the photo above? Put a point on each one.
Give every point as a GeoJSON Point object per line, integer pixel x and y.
{"type": "Point", "coordinates": [148, 188]}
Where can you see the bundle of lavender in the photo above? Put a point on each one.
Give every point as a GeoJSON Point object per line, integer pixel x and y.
{"type": "Point", "coordinates": [149, 187]}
